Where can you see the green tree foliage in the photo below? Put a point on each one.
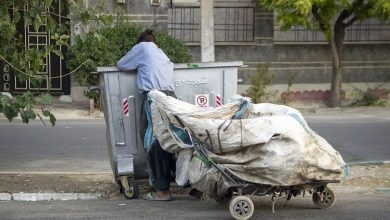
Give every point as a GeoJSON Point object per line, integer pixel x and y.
{"type": "Point", "coordinates": [107, 45]}
{"type": "Point", "coordinates": [23, 105]}
{"type": "Point", "coordinates": [331, 17]}
{"type": "Point", "coordinates": [101, 46]}
{"type": "Point", "coordinates": [175, 49]}
{"type": "Point", "coordinates": [25, 62]}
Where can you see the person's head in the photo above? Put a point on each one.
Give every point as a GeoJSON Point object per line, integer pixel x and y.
{"type": "Point", "coordinates": [146, 36]}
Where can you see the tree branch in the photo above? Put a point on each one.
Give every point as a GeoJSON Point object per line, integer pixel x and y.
{"type": "Point", "coordinates": [357, 6]}
{"type": "Point", "coordinates": [317, 16]}
{"type": "Point", "coordinates": [357, 3]}
{"type": "Point", "coordinates": [344, 15]}
{"type": "Point", "coordinates": [350, 22]}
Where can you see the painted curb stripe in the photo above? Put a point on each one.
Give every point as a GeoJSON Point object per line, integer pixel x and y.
{"type": "Point", "coordinates": [48, 196]}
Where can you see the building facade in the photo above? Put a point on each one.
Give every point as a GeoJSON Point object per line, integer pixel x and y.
{"type": "Point", "coordinates": [53, 74]}
{"type": "Point", "coordinates": [245, 31]}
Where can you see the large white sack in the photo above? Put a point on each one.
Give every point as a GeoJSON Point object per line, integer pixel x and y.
{"type": "Point", "coordinates": [271, 145]}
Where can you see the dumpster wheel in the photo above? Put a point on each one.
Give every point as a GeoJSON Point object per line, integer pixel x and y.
{"type": "Point", "coordinates": [129, 187]}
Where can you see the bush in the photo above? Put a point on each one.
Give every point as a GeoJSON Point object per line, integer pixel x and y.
{"type": "Point", "coordinates": [259, 83]}
{"type": "Point", "coordinates": [370, 97]}
{"type": "Point", "coordinates": [175, 49]}
{"type": "Point", "coordinates": [108, 45]}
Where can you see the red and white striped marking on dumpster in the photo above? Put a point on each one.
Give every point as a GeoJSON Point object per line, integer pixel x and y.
{"type": "Point", "coordinates": [126, 107]}
{"type": "Point", "coordinates": [218, 100]}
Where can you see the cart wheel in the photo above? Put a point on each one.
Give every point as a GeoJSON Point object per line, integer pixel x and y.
{"type": "Point", "coordinates": [325, 199]}
{"type": "Point", "coordinates": [130, 191]}
{"type": "Point", "coordinates": [241, 208]}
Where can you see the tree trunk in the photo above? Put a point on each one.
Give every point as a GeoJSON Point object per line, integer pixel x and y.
{"type": "Point", "coordinates": [336, 43]}
{"type": "Point", "coordinates": [335, 90]}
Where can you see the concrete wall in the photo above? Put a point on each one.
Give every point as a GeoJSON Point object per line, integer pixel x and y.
{"type": "Point", "coordinates": [139, 11]}
{"type": "Point", "coordinates": [366, 62]}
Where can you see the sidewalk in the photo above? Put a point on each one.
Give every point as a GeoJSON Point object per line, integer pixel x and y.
{"type": "Point", "coordinates": [69, 111]}
{"type": "Point", "coordinates": [65, 111]}
{"type": "Point", "coordinates": [371, 111]}
{"type": "Point", "coordinates": [80, 110]}
{"type": "Point", "coordinates": [74, 111]}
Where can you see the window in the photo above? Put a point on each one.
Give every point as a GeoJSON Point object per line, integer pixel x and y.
{"type": "Point", "coordinates": [232, 24]}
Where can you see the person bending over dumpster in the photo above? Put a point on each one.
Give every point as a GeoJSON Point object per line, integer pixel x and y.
{"type": "Point", "coordinates": [154, 72]}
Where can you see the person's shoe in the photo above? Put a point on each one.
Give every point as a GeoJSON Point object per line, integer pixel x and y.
{"type": "Point", "coordinates": [153, 196]}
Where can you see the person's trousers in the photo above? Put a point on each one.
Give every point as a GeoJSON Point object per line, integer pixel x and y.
{"type": "Point", "coordinates": [160, 163]}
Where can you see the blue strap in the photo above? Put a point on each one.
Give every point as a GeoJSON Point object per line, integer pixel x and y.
{"type": "Point", "coordinates": [241, 112]}
{"type": "Point", "coordinates": [149, 138]}
{"type": "Point", "coordinates": [180, 134]}
{"type": "Point", "coordinates": [346, 170]}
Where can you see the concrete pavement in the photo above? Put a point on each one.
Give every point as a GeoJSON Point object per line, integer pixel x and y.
{"type": "Point", "coordinates": [74, 111]}
{"type": "Point", "coordinates": [362, 179]}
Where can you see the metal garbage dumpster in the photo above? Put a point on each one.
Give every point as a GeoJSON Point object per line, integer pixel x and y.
{"type": "Point", "coordinates": [202, 84]}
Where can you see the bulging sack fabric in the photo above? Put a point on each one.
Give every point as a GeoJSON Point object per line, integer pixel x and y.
{"type": "Point", "coordinates": [259, 143]}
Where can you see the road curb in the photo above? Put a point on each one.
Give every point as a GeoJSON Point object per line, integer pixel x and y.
{"type": "Point", "coordinates": [367, 163]}
{"type": "Point", "coordinates": [49, 196]}
{"type": "Point", "coordinates": [55, 173]}
{"type": "Point", "coordinates": [5, 196]}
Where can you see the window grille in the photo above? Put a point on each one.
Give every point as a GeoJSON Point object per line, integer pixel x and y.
{"type": "Point", "coordinates": [363, 31]}
{"type": "Point", "coordinates": [232, 24]}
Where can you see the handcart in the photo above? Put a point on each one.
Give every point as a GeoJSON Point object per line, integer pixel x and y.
{"type": "Point", "coordinates": [240, 193]}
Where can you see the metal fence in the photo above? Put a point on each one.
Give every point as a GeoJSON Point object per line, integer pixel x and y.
{"type": "Point", "coordinates": [232, 24]}
{"type": "Point", "coordinates": [363, 31]}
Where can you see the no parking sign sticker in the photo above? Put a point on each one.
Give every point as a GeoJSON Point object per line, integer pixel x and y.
{"type": "Point", "coordinates": [202, 100]}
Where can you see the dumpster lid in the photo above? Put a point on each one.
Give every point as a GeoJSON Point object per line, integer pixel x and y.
{"type": "Point", "coordinates": [208, 65]}
{"type": "Point", "coordinates": [184, 66]}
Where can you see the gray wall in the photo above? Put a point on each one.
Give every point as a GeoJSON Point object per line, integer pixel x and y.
{"type": "Point", "coordinates": [311, 63]}
{"type": "Point", "coordinates": [308, 59]}
{"type": "Point", "coordinates": [365, 60]}
{"type": "Point", "coordinates": [139, 11]}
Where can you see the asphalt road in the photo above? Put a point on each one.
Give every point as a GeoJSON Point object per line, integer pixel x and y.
{"type": "Point", "coordinates": [69, 146]}
{"type": "Point", "coordinates": [346, 207]}
{"type": "Point", "coordinates": [80, 145]}
{"type": "Point", "coordinates": [357, 138]}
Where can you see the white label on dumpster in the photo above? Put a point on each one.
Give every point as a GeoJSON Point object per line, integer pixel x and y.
{"type": "Point", "coordinates": [191, 82]}
{"type": "Point", "coordinates": [202, 100]}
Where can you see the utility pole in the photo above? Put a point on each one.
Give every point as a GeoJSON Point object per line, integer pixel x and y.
{"type": "Point", "coordinates": [207, 30]}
